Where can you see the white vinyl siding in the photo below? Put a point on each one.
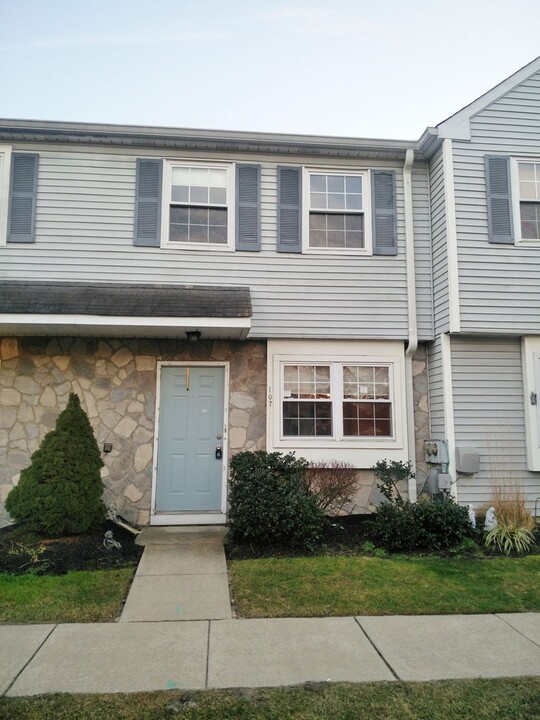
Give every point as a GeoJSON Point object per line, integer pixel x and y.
{"type": "Point", "coordinates": [499, 284]}
{"type": "Point", "coordinates": [84, 232]}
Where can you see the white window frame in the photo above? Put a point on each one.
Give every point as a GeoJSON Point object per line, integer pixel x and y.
{"type": "Point", "coordinates": [530, 355]}
{"type": "Point", "coordinates": [5, 167]}
{"type": "Point", "coordinates": [362, 452]}
{"type": "Point", "coordinates": [364, 173]}
{"type": "Point", "coordinates": [516, 211]}
{"type": "Point", "coordinates": [168, 165]}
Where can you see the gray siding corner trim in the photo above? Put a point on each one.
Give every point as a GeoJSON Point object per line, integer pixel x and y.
{"type": "Point", "coordinates": [147, 230]}
{"type": "Point", "coordinates": [248, 207]}
{"type": "Point", "coordinates": [289, 209]}
{"type": "Point", "coordinates": [22, 198]}
{"type": "Point", "coordinates": [499, 203]}
{"type": "Point", "coordinates": [383, 200]}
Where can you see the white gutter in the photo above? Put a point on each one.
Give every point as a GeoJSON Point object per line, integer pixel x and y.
{"type": "Point", "coordinates": [411, 311]}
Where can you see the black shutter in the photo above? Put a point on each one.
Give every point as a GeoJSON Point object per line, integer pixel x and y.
{"type": "Point", "coordinates": [289, 238]}
{"type": "Point", "coordinates": [148, 203]}
{"type": "Point", "coordinates": [22, 198]}
{"type": "Point", "coordinates": [383, 201]}
{"type": "Point", "coordinates": [248, 207]}
{"type": "Point", "coordinates": [499, 205]}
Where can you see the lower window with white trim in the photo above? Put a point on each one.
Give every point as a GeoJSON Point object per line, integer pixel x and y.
{"type": "Point", "coordinates": [331, 400]}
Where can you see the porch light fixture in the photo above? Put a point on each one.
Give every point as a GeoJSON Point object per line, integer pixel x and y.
{"type": "Point", "coordinates": [193, 335]}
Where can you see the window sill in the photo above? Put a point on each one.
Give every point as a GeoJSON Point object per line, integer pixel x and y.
{"type": "Point", "coordinates": [197, 246]}
{"type": "Point", "coordinates": [526, 243]}
{"type": "Point", "coordinates": [335, 251]}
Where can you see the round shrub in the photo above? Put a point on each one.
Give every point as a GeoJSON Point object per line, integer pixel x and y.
{"type": "Point", "coordinates": [437, 524]}
{"type": "Point", "coordinates": [270, 503]}
{"type": "Point", "coordinates": [60, 492]}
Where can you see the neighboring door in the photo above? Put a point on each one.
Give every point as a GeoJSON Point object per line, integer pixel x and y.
{"type": "Point", "coordinates": [536, 397]}
{"type": "Point", "coordinates": [191, 416]}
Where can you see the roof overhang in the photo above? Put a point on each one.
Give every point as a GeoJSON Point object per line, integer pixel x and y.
{"type": "Point", "coordinates": [204, 140]}
{"type": "Point", "coordinates": [116, 310]}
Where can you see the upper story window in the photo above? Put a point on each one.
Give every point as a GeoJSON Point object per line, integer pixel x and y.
{"type": "Point", "coordinates": [529, 199]}
{"type": "Point", "coordinates": [198, 205]}
{"type": "Point", "coordinates": [336, 213]}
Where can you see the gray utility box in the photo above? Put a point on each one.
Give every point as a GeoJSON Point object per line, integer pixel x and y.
{"type": "Point", "coordinates": [467, 460]}
{"type": "Point", "coordinates": [435, 452]}
{"type": "Point", "coordinates": [445, 482]}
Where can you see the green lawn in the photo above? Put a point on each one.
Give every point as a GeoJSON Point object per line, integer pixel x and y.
{"type": "Point", "coordinates": [449, 700]}
{"type": "Point", "coordinates": [81, 596]}
{"type": "Point", "coordinates": [341, 585]}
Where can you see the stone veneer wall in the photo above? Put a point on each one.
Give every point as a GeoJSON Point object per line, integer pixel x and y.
{"type": "Point", "coordinates": [116, 381]}
{"type": "Point", "coordinates": [366, 479]}
{"type": "Point", "coordinates": [421, 408]}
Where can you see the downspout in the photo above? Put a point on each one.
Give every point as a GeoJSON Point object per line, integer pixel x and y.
{"type": "Point", "coordinates": [411, 311]}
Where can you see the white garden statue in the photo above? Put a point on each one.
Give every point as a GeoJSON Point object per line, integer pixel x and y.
{"type": "Point", "coordinates": [472, 516]}
{"type": "Point", "coordinates": [491, 520]}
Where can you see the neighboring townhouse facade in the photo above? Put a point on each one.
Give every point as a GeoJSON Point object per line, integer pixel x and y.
{"type": "Point", "coordinates": [208, 292]}
{"type": "Point", "coordinates": [485, 360]}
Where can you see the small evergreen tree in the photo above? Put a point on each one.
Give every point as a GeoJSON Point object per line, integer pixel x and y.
{"type": "Point", "coordinates": [60, 492]}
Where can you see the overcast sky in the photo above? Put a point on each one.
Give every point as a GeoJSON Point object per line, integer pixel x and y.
{"type": "Point", "coordinates": [377, 68]}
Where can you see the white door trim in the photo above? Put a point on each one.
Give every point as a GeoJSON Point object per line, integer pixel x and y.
{"type": "Point", "coordinates": [183, 518]}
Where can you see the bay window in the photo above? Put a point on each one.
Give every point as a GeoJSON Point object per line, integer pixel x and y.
{"type": "Point", "coordinates": [342, 400]}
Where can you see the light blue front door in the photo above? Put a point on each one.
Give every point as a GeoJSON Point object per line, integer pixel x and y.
{"type": "Point", "coordinates": [189, 475]}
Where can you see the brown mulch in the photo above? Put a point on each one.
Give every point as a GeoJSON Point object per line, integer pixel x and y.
{"type": "Point", "coordinates": [22, 551]}
{"type": "Point", "coordinates": [344, 534]}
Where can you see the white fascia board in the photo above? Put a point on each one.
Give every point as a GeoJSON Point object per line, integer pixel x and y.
{"type": "Point", "coordinates": [458, 126]}
{"type": "Point", "coordinates": [29, 323]}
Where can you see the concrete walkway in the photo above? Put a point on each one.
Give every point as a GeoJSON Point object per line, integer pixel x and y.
{"type": "Point", "coordinates": [138, 656]}
{"type": "Point", "coordinates": [182, 575]}
{"type": "Point", "coordinates": [177, 631]}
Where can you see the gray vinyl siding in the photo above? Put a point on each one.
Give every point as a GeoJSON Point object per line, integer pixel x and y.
{"type": "Point", "coordinates": [422, 250]}
{"type": "Point", "coordinates": [499, 284]}
{"type": "Point", "coordinates": [441, 305]}
{"type": "Point", "coordinates": [436, 390]}
{"type": "Point", "coordinates": [489, 415]}
{"type": "Point", "coordinates": [84, 231]}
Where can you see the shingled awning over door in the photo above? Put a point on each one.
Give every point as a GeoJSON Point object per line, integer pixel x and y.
{"type": "Point", "coordinates": [149, 310]}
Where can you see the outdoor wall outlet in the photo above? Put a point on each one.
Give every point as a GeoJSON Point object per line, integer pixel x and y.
{"type": "Point", "coordinates": [107, 447]}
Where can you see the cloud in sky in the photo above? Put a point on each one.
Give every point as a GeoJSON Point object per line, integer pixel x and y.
{"type": "Point", "coordinates": [319, 21]}
{"type": "Point", "coordinates": [119, 39]}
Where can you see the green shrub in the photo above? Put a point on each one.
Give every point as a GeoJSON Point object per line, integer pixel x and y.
{"type": "Point", "coordinates": [424, 525]}
{"type": "Point", "coordinates": [270, 503]}
{"type": "Point", "coordinates": [509, 537]}
{"type": "Point", "coordinates": [60, 492]}
{"type": "Point", "coordinates": [389, 474]}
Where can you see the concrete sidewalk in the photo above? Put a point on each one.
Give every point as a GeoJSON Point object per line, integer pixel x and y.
{"type": "Point", "coordinates": [138, 656]}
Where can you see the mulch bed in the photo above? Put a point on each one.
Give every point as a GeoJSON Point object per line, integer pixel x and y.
{"type": "Point", "coordinates": [343, 535]}
{"type": "Point", "coordinates": [22, 551]}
